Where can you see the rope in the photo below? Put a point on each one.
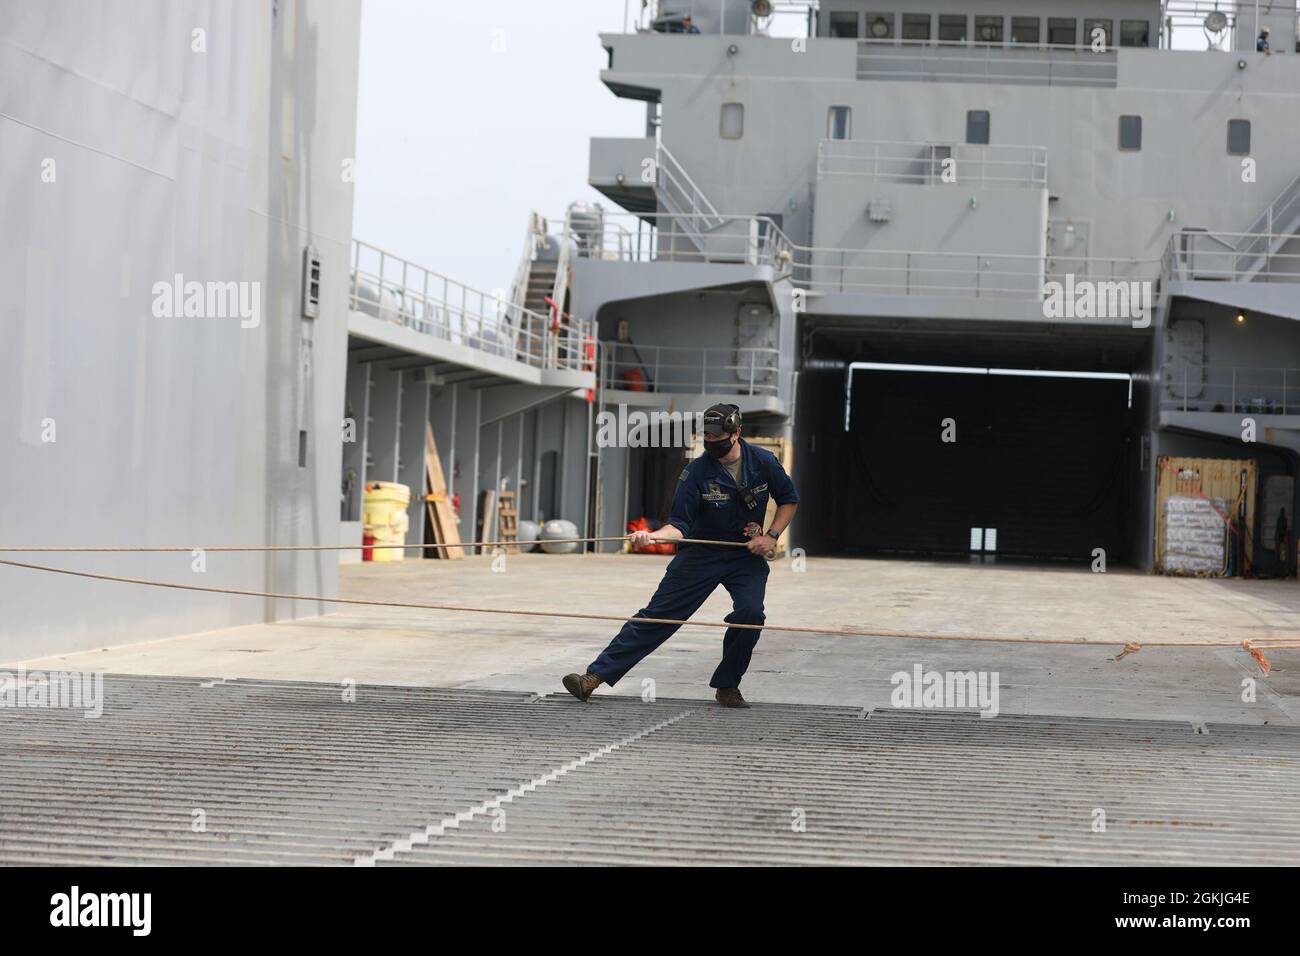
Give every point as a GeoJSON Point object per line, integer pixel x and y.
{"type": "Point", "coordinates": [1253, 647]}
{"type": "Point", "coordinates": [92, 549]}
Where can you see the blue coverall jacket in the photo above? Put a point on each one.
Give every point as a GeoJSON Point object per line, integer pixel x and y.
{"type": "Point", "coordinates": [708, 504]}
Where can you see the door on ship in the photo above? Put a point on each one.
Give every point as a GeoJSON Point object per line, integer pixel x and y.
{"type": "Point", "coordinates": [927, 462]}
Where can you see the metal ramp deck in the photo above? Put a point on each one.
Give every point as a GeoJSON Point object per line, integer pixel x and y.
{"type": "Point", "coordinates": [283, 773]}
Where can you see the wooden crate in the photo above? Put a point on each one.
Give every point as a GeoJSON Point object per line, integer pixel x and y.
{"type": "Point", "coordinates": [1206, 478]}
{"type": "Point", "coordinates": [507, 521]}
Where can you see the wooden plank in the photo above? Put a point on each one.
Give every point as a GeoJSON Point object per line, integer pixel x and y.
{"type": "Point", "coordinates": [442, 517]}
{"type": "Point", "coordinates": [487, 518]}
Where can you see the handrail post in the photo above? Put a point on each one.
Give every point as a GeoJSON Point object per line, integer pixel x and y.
{"type": "Point", "coordinates": [425, 295]}
{"type": "Point", "coordinates": [1234, 389]}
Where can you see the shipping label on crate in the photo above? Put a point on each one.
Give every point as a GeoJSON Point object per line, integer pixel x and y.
{"type": "Point", "coordinates": [1194, 535]}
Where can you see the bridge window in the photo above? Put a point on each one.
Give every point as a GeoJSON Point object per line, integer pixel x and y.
{"type": "Point", "coordinates": [839, 122]}
{"type": "Point", "coordinates": [1130, 132]}
{"type": "Point", "coordinates": [1238, 137]}
{"type": "Point", "coordinates": [844, 24]}
{"type": "Point", "coordinates": [1134, 33]}
{"type": "Point", "coordinates": [1062, 31]}
{"type": "Point", "coordinates": [988, 29]}
{"type": "Point", "coordinates": [952, 28]}
{"type": "Point", "coordinates": [880, 26]}
{"type": "Point", "coordinates": [1026, 29]}
{"type": "Point", "coordinates": [732, 125]}
{"type": "Point", "coordinates": [916, 26]}
{"type": "Point", "coordinates": [977, 127]}
{"type": "Point", "coordinates": [1090, 35]}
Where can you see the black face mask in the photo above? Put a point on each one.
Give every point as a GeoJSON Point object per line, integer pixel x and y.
{"type": "Point", "coordinates": [719, 449]}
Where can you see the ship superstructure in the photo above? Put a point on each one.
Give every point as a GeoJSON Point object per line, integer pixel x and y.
{"type": "Point", "coordinates": [982, 264]}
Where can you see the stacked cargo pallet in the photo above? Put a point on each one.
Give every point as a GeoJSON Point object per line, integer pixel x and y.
{"type": "Point", "coordinates": [1205, 514]}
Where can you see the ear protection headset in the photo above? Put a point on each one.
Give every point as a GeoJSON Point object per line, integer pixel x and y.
{"type": "Point", "coordinates": [731, 424]}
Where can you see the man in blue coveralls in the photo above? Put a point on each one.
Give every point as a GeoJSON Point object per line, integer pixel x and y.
{"type": "Point", "coordinates": [721, 496]}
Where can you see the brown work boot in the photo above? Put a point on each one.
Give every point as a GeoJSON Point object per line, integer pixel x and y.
{"type": "Point", "coordinates": [582, 686]}
{"type": "Point", "coordinates": [730, 697]}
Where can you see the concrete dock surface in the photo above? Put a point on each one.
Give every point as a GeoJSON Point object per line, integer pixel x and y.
{"type": "Point", "coordinates": [502, 652]}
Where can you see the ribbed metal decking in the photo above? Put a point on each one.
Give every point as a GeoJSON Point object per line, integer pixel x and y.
{"type": "Point", "coordinates": [289, 773]}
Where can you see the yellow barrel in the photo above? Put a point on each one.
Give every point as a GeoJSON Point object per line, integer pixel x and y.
{"type": "Point", "coordinates": [385, 518]}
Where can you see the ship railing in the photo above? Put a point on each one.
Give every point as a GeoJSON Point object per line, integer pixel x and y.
{"type": "Point", "coordinates": [788, 18]}
{"type": "Point", "coordinates": [1201, 255]}
{"type": "Point", "coordinates": [966, 274]}
{"type": "Point", "coordinates": [797, 18]}
{"type": "Point", "coordinates": [1181, 17]}
{"type": "Point", "coordinates": [1193, 387]}
{"type": "Point", "coordinates": [689, 370]}
{"type": "Point", "coordinates": [758, 240]}
{"type": "Point", "coordinates": [679, 194]}
{"type": "Point", "coordinates": [933, 163]}
{"type": "Point", "coordinates": [393, 289]}
{"type": "Point", "coordinates": [534, 234]}
{"type": "Point", "coordinates": [1282, 213]}
{"type": "Point", "coordinates": [673, 237]}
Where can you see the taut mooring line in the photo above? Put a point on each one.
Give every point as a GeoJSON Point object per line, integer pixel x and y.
{"type": "Point", "coordinates": [113, 549]}
{"type": "Point", "coordinates": [1255, 648]}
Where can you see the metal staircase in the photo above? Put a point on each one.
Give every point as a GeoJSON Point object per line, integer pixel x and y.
{"type": "Point", "coordinates": [678, 196]}
{"type": "Point", "coordinates": [1274, 228]}
{"type": "Point", "coordinates": [539, 293]}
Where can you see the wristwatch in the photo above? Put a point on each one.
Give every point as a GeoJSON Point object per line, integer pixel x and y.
{"type": "Point", "coordinates": [774, 535]}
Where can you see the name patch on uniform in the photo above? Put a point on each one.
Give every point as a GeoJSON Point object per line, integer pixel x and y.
{"type": "Point", "coordinates": [759, 489]}
{"type": "Point", "coordinates": [684, 474]}
{"type": "Point", "coordinates": [716, 493]}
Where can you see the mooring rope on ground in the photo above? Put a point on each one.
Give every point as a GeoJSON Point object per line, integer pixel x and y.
{"type": "Point", "coordinates": [1255, 648]}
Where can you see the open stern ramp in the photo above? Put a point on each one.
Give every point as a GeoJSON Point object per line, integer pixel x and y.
{"type": "Point", "coordinates": [189, 771]}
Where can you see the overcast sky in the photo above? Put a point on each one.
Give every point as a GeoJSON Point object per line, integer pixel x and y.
{"type": "Point", "coordinates": [456, 142]}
